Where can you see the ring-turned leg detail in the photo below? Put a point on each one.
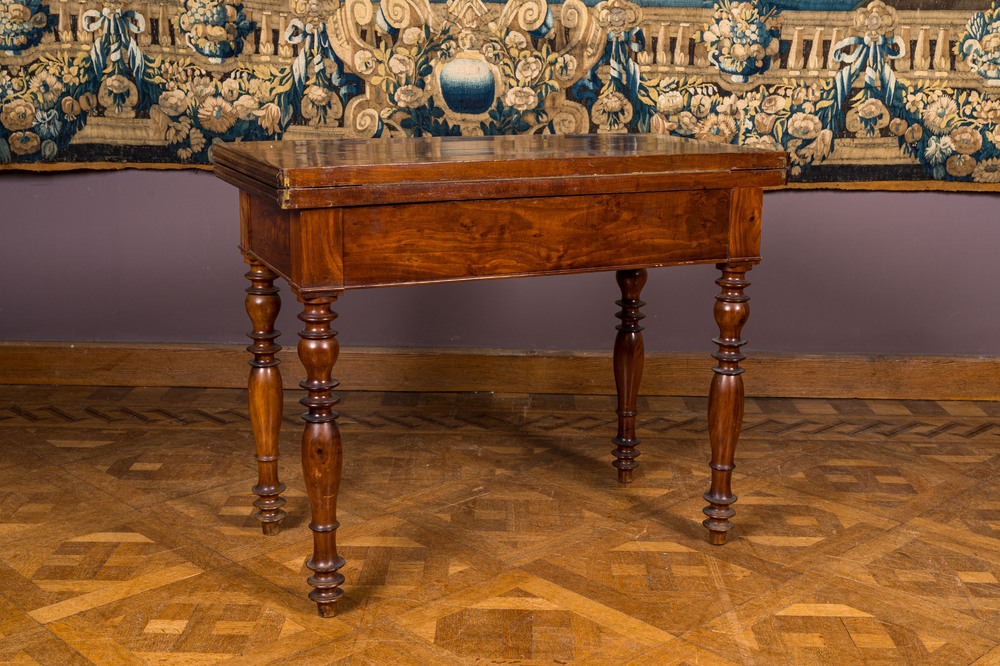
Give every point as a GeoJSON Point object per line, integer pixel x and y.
{"type": "Point", "coordinates": [628, 358]}
{"type": "Point", "coordinates": [322, 459]}
{"type": "Point", "coordinates": [725, 398]}
{"type": "Point", "coordinates": [264, 393]}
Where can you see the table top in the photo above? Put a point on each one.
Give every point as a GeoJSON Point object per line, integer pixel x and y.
{"type": "Point", "coordinates": [286, 168]}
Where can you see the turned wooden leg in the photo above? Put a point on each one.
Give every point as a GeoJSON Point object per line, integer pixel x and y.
{"type": "Point", "coordinates": [725, 398]}
{"type": "Point", "coordinates": [322, 460]}
{"type": "Point", "coordinates": [628, 358]}
{"type": "Point", "coordinates": [264, 388]}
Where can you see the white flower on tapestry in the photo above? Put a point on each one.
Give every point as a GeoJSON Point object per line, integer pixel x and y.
{"type": "Point", "coordinates": [203, 86]}
{"type": "Point", "coordinates": [763, 142]}
{"type": "Point", "coordinates": [216, 115]}
{"type": "Point", "coordinates": [612, 111]}
{"type": "Point", "coordinates": [492, 51]}
{"type": "Point", "coordinates": [412, 35]}
{"type": "Point", "coordinates": [47, 123]}
{"type": "Point", "coordinates": [742, 38]}
{"type": "Point", "coordinates": [364, 62]}
{"type": "Point", "coordinates": [618, 16]}
{"type": "Point", "coordinates": [987, 111]}
{"type": "Point", "coordinates": [716, 128]}
{"type": "Point", "coordinates": [174, 102]}
{"type": "Point", "coordinates": [565, 67]}
{"type": "Point", "coordinates": [515, 41]}
{"type": "Point", "coordinates": [521, 98]}
{"type": "Point", "coordinates": [687, 122]}
{"type": "Point", "coordinates": [701, 105]}
{"type": "Point", "coordinates": [875, 20]}
{"type": "Point", "coordinates": [245, 106]}
{"type": "Point", "coordinates": [669, 103]}
{"type": "Point", "coordinates": [409, 96]}
{"type": "Point", "coordinates": [230, 89]}
{"type": "Point", "coordinates": [733, 106]}
{"type": "Point", "coordinates": [940, 114]}
{"type": "Point", "coordinates": [804, 125]}
{"type": "Point", "coordinates": [938, 149]}
{"type": "Point", "coordinates": [401, 65]}
{"type": "Point", "coordinates": [775, 104]}
{"type": "Point", "coordinates": [47, 85]}
{"type": "Point", "coordinates": [317, 95]}
{"type": "Point", "coordinates": [528, 69]}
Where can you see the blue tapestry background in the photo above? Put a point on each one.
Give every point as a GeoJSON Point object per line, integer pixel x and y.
{"type": "Point", "coordinates": [904, 95]}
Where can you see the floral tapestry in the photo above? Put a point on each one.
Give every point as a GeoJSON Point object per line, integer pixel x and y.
{"type": "Point", "coordinates": [870, 94]}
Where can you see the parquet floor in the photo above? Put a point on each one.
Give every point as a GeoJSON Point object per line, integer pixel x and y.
{"type": "Point", "coordinates": [488, 528]}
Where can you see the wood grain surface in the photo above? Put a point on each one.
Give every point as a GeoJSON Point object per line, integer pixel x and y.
{"type": "Point", "coordinates": [878, 376]}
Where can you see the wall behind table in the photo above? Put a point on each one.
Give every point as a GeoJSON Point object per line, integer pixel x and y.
{"type": "Point", "coordinates": [150, 256]}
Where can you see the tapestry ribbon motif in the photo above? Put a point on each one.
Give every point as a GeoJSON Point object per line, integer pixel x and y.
{"type": "Point", "coordinates": [904, 95]}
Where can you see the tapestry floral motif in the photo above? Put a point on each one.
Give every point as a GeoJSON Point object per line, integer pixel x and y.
{"type": "Point", "coordinates": [979, 45]}
{"type": "Point", "coordinates": [217, 71]}
{"type": "Point", "coordinates": [399, 72]}
{"type": "Point", "coordinates": [214, 28]}
{"type": "Point", "coordinates": [22, 24]}
{"type": "Point", "coordinates": [742, 38]}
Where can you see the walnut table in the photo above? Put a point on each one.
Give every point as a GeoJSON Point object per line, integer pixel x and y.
{"type": "Point", "coordinates": [333, 215]}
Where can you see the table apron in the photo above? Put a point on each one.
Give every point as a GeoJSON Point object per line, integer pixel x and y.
{"type": "Point", "coordinates": [381, 245]}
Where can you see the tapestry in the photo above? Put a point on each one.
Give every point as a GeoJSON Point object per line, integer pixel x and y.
{"type": "Point", "coordinates": [900, 95]}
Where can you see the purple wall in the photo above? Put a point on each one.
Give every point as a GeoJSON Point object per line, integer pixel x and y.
{"type": "Point", "coordinates": [151, 256]}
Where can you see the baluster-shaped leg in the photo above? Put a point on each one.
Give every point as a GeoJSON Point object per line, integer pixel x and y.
{"type": "Point", "coordinates": [264, 388]}
{"type": "Point", "coordinates": [628, 358]}
{"type": "Point", "coordinates": [322, 460]}
{"type": "Point", "coordinates": [725, 398]}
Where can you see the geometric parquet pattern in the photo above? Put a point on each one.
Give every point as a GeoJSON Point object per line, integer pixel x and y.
{"type": "Point", "coordinates": [489, 528]}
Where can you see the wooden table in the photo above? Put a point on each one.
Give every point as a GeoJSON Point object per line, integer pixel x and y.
{"type": "Point", "coordinates": [334, 215]}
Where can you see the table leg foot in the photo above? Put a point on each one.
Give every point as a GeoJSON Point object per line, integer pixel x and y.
{"type": "Point", "coordinates": [628, 360]}
{"type": "Point", "coordinates": [322, 457]}
{"type": "Point", "coordinates": [717, 538]}
{"type": "Point", "coordinates": [725, 398]}
{"type": "Point", "coordinates": [264, 393]}
{"type": "Point", "coordinates": [327, 609]}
